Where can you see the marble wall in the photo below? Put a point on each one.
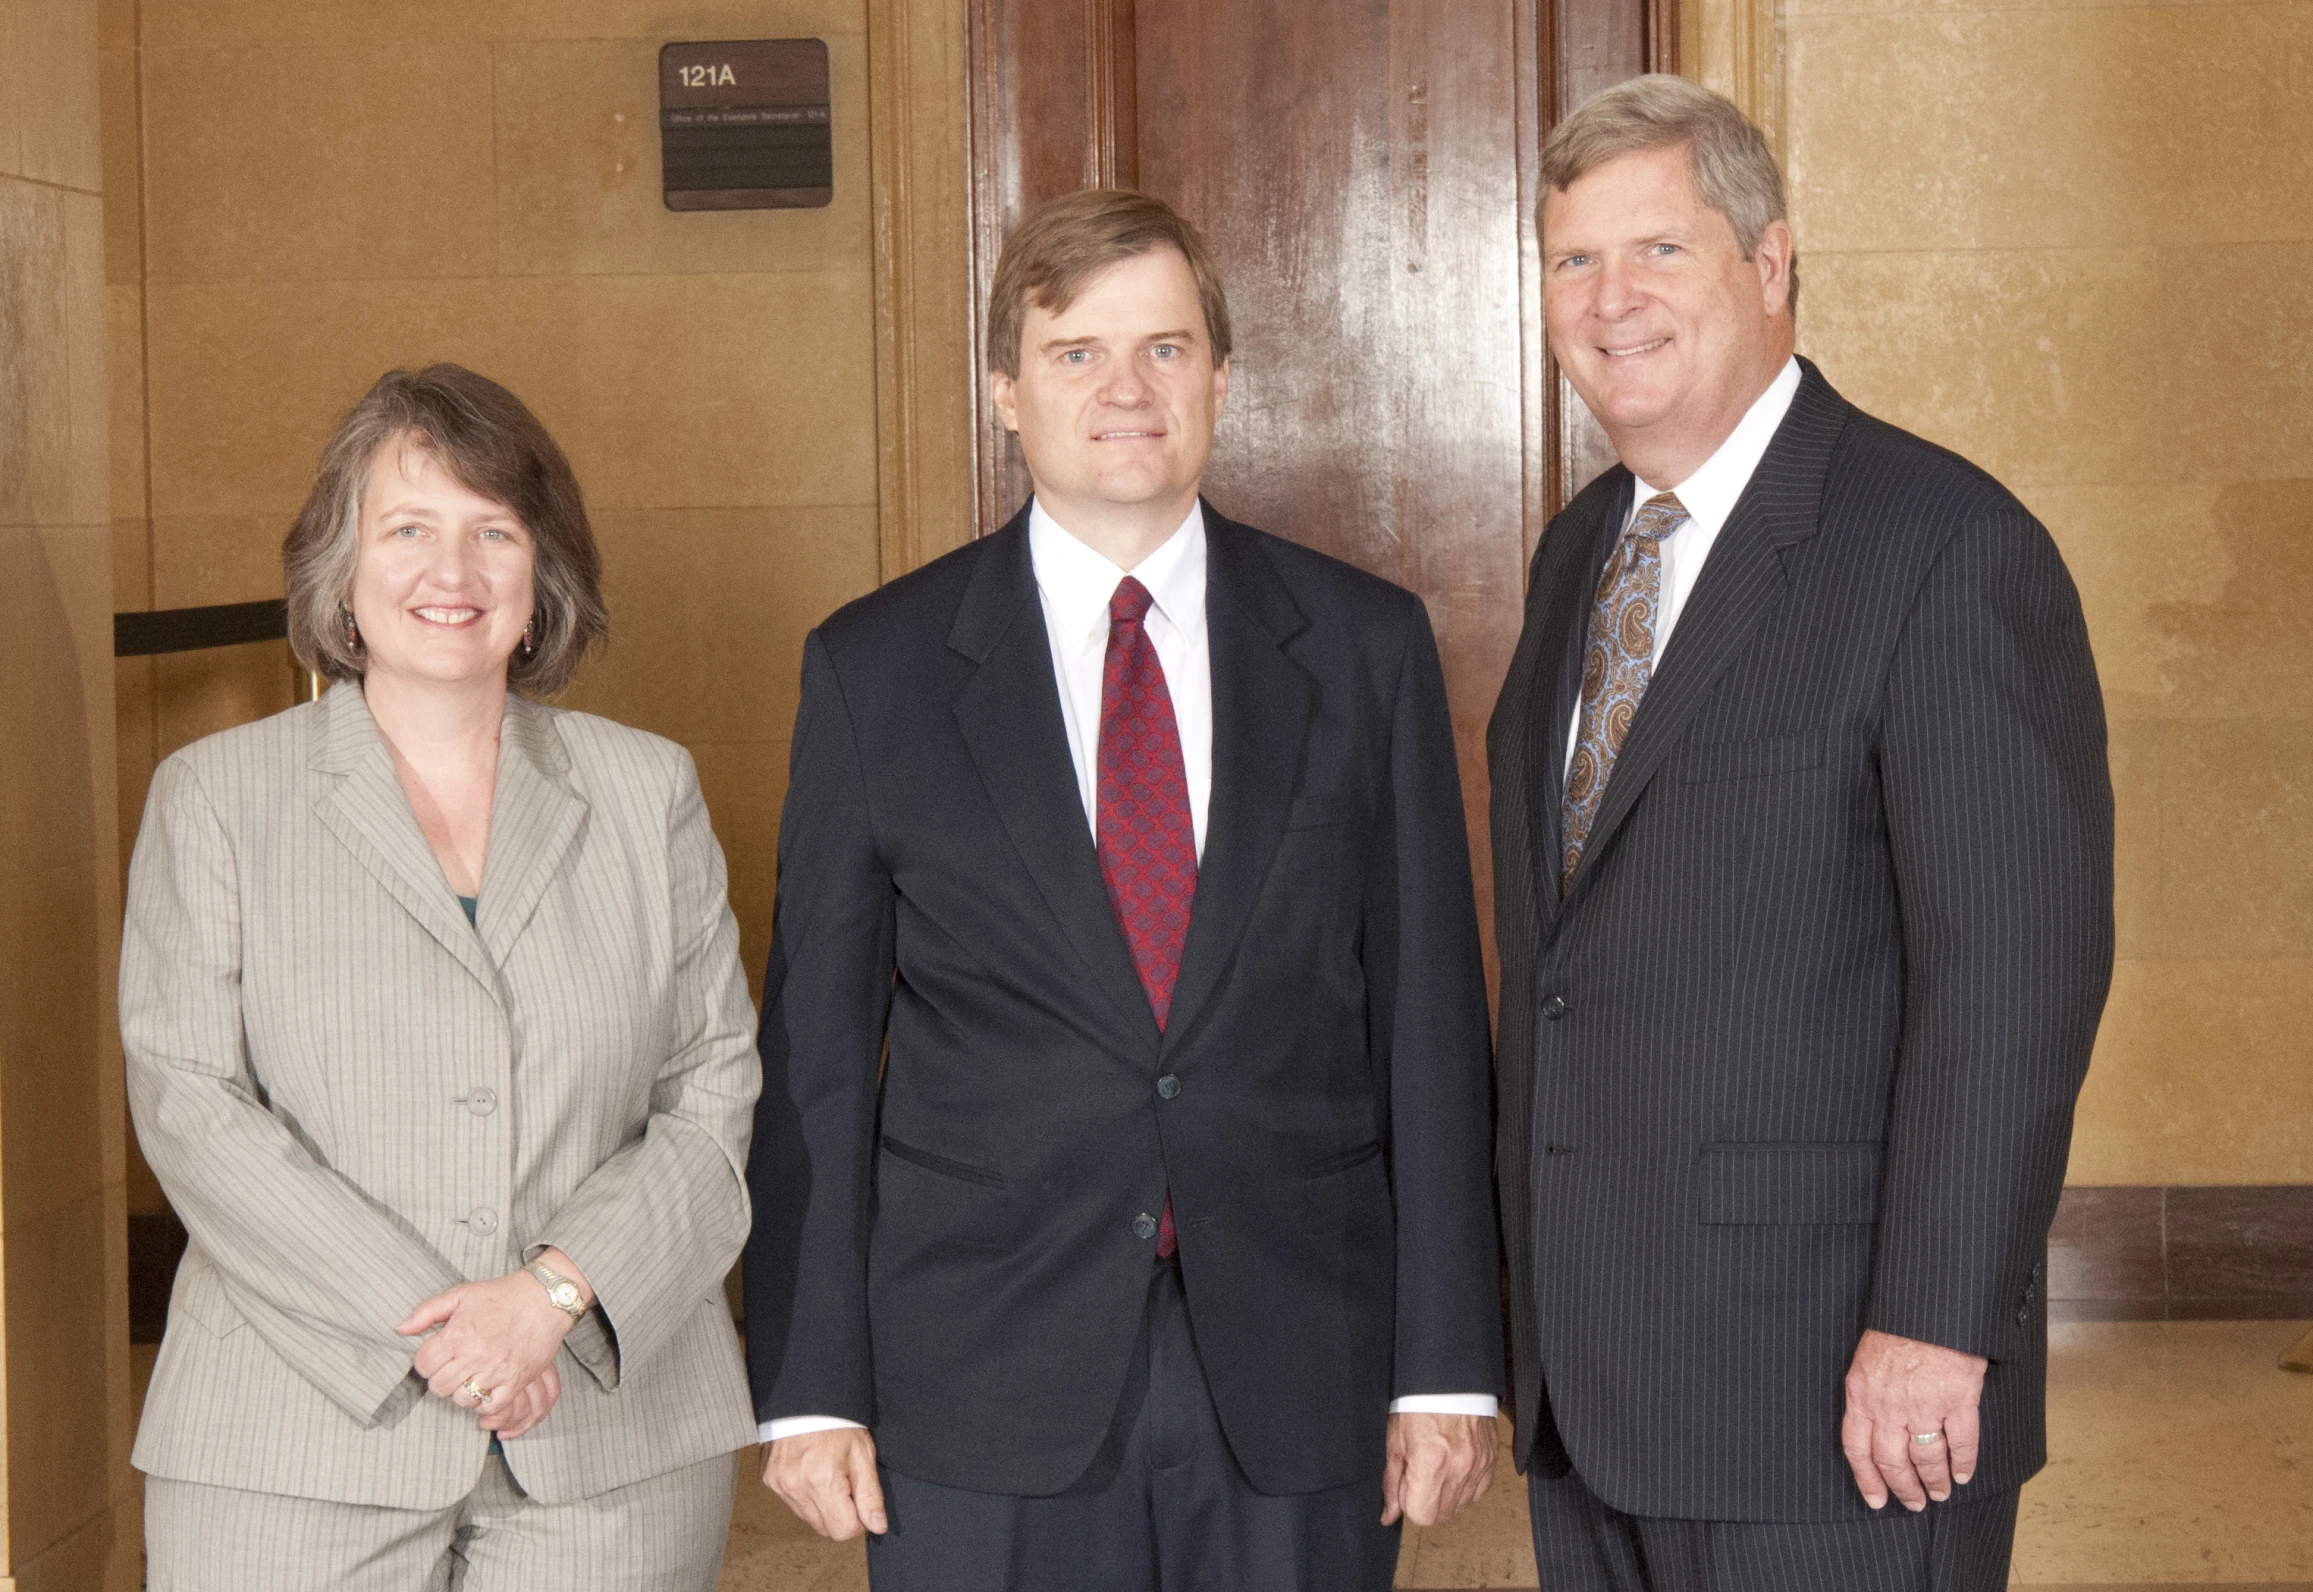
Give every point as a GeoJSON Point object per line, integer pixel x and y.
{"type": "Point", "coordinates": [300, 196]}
{"type": "Point", "coordinates": [2075, 243]}
{"type": "Point", "coordinates": [62, 1190]}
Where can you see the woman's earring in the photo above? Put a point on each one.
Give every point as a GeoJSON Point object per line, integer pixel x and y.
{"type": "Point", "coordinates": [352, 630]}
{"type": "Point", "coordinates": [529, 646]}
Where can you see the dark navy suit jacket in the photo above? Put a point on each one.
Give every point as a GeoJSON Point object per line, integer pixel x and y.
{"type": "Point", "coordinates": [961, 1121]}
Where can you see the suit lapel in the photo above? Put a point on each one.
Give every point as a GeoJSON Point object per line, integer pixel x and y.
{"type": "Point", "coordinates": [1571, 603]}
{"type": "Point", "coordinates": [1262, 704]}
{"type": "Point", "coordinates": [1741, 584]}
{"type": "Point", "coordinates": [535, 818]}
{"type": "Point", "coordinates": [1527, 736]}
{"type": "Point", "coordinates": [1009, 716]}
{"type": "Point", "coordinates": [361, 803]}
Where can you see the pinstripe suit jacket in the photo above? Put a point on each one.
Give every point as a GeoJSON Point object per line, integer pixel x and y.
{"type": "Point", "coordinates": [355, 1100]}
{"type": "Point", "coordinates": [1797, 1052]}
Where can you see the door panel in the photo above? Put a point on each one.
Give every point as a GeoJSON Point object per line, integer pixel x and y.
{"type": "Point", "coordinates": [1364, 172]}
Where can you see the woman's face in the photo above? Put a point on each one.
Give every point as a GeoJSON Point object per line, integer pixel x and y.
{"type": "Point", "coordinates": [442, 585]}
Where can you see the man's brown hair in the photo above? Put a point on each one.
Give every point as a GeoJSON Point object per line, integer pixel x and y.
{"type": "Point", "coordinates": [490, 443]}
{"type": "Point", "coordinates": [1066, 242]}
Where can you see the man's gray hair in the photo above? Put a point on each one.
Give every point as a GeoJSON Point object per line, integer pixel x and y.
{"type": "Point", "coordinates": [1735, 172]}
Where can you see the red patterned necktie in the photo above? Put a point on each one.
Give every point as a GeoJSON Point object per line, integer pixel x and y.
{"type": "Point", "coordinates": [1148, 842]}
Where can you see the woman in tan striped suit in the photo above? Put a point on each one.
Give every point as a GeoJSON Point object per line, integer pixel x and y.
{"type": "Point", "coordinates": [439, 1043]}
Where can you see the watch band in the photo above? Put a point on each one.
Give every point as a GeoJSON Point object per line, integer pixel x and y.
{"type": "Point", "coordinates": [561, 1292]}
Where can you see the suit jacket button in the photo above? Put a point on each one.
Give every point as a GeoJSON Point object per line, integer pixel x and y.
{"type": "Point", "coordinates": [1554, 1008]}
{"type": "Point", "coordinates": [1144, 1225]}
{"type": "Point", "coordinates": [482, 1101]}
{"type": "Point", "coordinates": [1168, 1086]}
{"type": "Point", "coordinates": [484, 1221]}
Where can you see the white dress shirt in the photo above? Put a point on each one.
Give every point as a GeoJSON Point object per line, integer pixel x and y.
{"type": "Point", "coordinates": [1708, 496]}
{"type": "Point", "coordinates": [1075, 584]}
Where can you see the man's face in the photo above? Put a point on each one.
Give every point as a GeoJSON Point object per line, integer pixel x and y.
{"type": "Point", "coordinates": [1118, 394]}
{"type": "Point", "coordinates": [1662, 326]}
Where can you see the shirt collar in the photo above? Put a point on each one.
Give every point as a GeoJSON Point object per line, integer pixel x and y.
{"type": "Point", "coordinates": [1710, 494]}
{"type": "Point", "coordinates": [1077, 582]}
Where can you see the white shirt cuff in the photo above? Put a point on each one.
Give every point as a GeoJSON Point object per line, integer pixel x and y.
{"type": "Point", "coordinates": [797, 1425]}
{"type": "Point", "coordinates": [1483, 1405]}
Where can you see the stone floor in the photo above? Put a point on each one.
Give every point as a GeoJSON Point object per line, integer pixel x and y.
{"type": "Point", "coordinates": [2180, 1456]}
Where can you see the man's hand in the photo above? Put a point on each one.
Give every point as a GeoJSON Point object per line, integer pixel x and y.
{"type": "Point", "coordinates": [1438, 1466]}
{"type": "Point", "coordinates": [828, 1479]}
{"type": "Point", "coordinates": [1899, 1389]}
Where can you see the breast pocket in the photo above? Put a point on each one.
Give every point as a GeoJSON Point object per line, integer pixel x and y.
{"type": "Point", "coordinates": [1317, 812]}
{"type": "Point", "coordinates": [1715, 761]}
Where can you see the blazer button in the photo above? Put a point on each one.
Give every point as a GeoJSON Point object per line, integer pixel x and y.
{"type": "Point", "coordinates": [482, 1101]}
{"type": "Point", "coordinates": [1144, 1225]}
{"type": "Point", "coordinates": [1168, 1087]}
{"type": "Point", "coordinates": [1554, 1008]}
{"type": "Point", "coordinates": [484, 1221]}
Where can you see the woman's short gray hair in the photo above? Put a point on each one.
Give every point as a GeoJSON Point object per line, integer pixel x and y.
{"type": "Point", "coordinates": [1735, 172]}
{"type": "Point", "coordinates": [490, 444]}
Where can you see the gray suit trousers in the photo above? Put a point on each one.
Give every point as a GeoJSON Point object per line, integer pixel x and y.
{"type": "Point", "coordinates": [661, 1534]}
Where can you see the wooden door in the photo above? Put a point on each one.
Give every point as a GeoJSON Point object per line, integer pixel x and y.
{"type": "Point", "coordinates": [1364, 172]}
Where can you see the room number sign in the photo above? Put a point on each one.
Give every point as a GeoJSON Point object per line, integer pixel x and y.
{"type": "Point", "coordinates": [746, 124]}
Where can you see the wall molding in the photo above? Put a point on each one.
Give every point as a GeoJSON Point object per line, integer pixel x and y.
{"type": "Point", "coordinates": [1736, 48]}
{"type": "Point", "coordinates": [925, 362]}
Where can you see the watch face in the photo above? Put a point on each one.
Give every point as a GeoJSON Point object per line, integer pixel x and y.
{"type": "Point", "coordinates": [565, 1295]}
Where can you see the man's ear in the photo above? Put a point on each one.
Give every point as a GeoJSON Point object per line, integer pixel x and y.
{"type": "Point", "coordinates": [1220, 388]}
{"type": "Point", "coordinates": [1003, 392]}
{"type": "Point", "coordinates": [1773, 258]}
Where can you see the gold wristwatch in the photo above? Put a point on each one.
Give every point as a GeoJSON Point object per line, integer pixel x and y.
{"type": "Point", "coordinates": [561, 1290]}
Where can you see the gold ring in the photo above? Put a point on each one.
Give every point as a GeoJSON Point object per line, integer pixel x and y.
{"type": "Point", "coordinates": [481, 1395]}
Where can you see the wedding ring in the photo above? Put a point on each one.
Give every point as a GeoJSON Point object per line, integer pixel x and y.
{"type": "Point", "coordinates": [480, 1395]}
{"type": "Point", "coordinates": [1925, 1437]}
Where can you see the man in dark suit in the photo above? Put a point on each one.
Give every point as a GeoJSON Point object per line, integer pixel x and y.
{"type": "Point", "coordinates": [1803, 849]}
{"type": "Point", "coordinates": [1129, 840]}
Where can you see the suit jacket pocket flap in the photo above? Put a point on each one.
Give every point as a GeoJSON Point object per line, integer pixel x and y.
{"type": "Point", "coordinates": [1763, 1184]}
{"type": "Point", "coordinates": [1774, 754]}
{"type": "Point", "coordinates": [1315, 812]}
{"type": "Point", "coordinates": [963, 1171]}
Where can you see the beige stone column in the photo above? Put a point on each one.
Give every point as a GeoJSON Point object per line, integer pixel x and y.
{"type": "Point", "coordinates": [64, 1379]}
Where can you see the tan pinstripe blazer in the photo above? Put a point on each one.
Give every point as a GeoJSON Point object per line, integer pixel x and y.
{"type": "Point", "coordinates": [355, 1100]}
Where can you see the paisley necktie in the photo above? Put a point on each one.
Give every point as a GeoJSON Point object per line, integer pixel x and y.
{"type": "Point", "coordinates": [1617, 660]}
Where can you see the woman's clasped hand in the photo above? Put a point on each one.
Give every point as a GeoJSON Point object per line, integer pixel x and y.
{"type": "Point", "coordinates": [493, 1345]}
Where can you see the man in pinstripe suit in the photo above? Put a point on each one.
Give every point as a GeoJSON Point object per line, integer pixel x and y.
{"type": "Point", "coordinates": [1803, 851]}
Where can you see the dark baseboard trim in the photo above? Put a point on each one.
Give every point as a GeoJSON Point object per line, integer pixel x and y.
{"type": "Point", "coordinates": [2223, 1253]}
